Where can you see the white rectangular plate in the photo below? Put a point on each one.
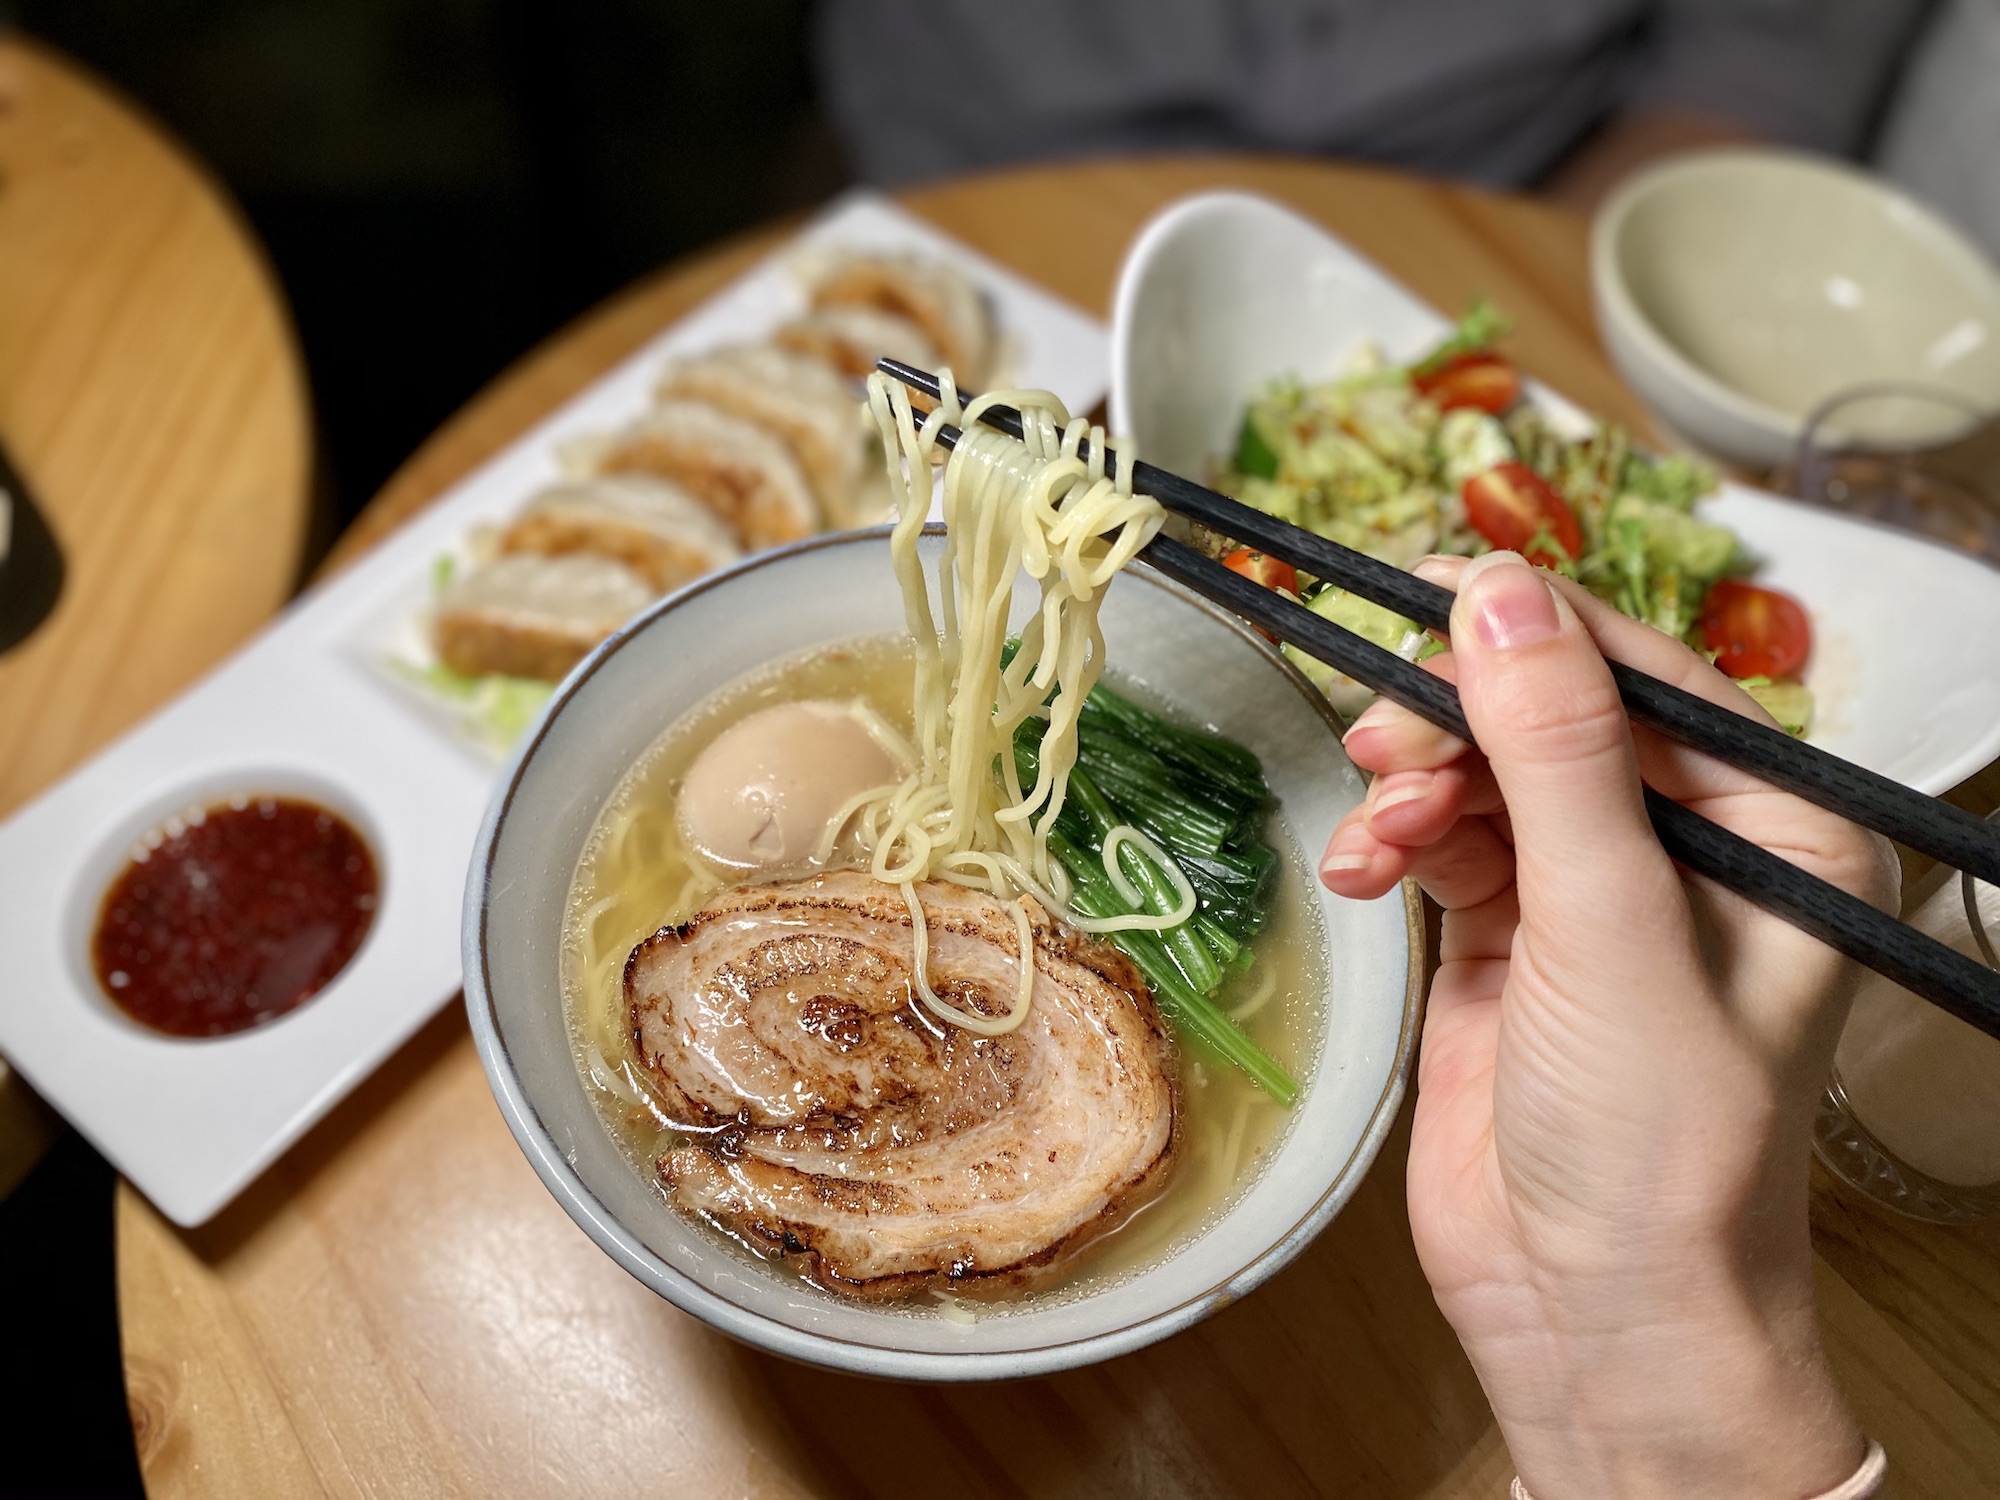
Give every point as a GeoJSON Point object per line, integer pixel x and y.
{"type": "Point", "coordinates": [307, 708]}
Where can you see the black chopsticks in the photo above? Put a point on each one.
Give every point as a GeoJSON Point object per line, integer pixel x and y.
{"type": "Point", "coordinates": [1845, 923]}
{"type": "Point", "coordinates": [1946, 833]}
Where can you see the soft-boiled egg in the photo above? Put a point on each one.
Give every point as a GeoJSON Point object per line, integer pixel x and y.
{"type": "Point", "coordinates": [761, 794]}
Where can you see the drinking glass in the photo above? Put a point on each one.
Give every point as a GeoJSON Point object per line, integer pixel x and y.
{"type": "Point", "coordinates": [1911, 1116]}
{"type": "Point", "coordinates": [1915, 457]}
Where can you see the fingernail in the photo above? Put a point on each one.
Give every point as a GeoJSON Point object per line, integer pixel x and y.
{"type": "Point", "coordinates": [1370, 717]}
{"type": "Point", "coordinates": [1337, 861]}
{"type": "Point", "coordinates": [1511, 606]}
{"type": "Point", "coordinates": [1414, 791]}
{"type": "Point", "coordinates": [1437, 568]}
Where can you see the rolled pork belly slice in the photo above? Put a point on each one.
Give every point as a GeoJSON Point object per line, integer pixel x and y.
{"type": "Point", "coordinates": [833, 1122]}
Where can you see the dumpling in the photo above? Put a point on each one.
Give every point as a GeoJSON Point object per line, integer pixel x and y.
{"type": "Point", "coordinates": [532, 616]}
{"type": "Point", "coordinates": [651, 525]}
{"type": "Point", "coordinates": [746, 476]}
{"type": "Point", "coordinates": [939, 298]}
{"type": "Point", "coordinates": [851, 339]}
{"type": "Point", "coordinates": [793, 395]}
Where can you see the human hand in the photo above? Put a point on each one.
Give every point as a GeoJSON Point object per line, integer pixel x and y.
{"type": "Point", "coordinates": [1607, 1179]}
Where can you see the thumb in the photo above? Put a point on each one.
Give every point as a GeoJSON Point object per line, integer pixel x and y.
{"type": "Point", "coordinates": [1546, 713]}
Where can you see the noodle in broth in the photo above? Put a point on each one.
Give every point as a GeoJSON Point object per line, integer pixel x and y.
{"type": "Point", "coordinates": [948, 707]}
{"type": "Point", "coordinates": [1009, 507]}
{"type": "Point", "coordinates": [637, 873]}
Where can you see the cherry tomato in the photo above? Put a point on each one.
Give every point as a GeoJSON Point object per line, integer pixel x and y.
{"type": "Point", "coordinates": [1510, 505]}
{"type": "Point", "coordinates": [1258, 568]}
{"type": "Point", "coordinates": [1474, 379]}
{"type": "Point", "coordinates": [1754, 632]}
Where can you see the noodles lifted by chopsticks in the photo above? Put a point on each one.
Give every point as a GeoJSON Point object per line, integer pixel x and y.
{"type": "Point", "coordinates": [1008, 506]}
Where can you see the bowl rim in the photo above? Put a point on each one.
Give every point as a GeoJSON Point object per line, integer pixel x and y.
{"type": "Point", "coordinates": [1615, 296]}
{"type": "Point", "coordinates": [564, 1183]}
{"type": "Point", "coordinates": [1148, 245]}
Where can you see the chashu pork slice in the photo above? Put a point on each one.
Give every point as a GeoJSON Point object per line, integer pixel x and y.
{"type": "Point", "coordinates": [654, 527]}
{"type": "Point", "coordinates": [747, 477]}
{"type": "Point", "coordinates": [793, 395]}
{"type": "Point", "coordinates": [836, 1123]}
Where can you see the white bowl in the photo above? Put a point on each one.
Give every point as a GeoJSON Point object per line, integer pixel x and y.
{"type": "Point", "coordinates": [833, 588]}
{"type": "Point", "coordinates": [1736, 290]}
{"type": "Point", "coordinates": [1220, 294]}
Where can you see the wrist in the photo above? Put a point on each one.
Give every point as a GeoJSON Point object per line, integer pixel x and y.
{"type": "Point", "coordinates": [1693, 1394]}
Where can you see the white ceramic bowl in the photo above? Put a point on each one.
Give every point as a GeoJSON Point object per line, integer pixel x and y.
{"type": "Point", "coordinates": [1222, 293]}
{"type": "Point", "coordinates": [1737, 290]}
{"type": "Point", "coordinates": [705, 637]}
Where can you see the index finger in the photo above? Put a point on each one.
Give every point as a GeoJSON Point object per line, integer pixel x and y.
{"type": "Point", "coordinates": [1680, 772]}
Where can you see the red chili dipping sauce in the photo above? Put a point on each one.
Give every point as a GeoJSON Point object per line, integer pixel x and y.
{"type": "Point", "coordinates": [231, 915]}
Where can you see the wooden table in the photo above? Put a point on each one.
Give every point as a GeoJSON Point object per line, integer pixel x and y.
{"type": "Point", "coordinates": [152, 396]}
{"type": "Point", "coordinates": [399, 1308]}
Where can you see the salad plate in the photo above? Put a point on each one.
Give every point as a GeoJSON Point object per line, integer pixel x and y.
{"type": "Point", "coordinates": [1224, 293]}
{"type": "Point", "coordinates": [319, 706]}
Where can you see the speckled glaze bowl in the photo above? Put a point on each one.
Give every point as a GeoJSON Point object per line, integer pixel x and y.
{"type": "Point", "coordinates": [693, 643]}
{"type": "Point", "coordinates": [1738, 289]}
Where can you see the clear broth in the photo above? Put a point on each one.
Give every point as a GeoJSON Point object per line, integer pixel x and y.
{"type": "Point", "coordinates": [637, 875]}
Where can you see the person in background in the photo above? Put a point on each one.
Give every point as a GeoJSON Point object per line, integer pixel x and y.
{"type": "Point", "coordinates": [1940, 130]}
{"type": "Point", "coordinates": [1568, 95]}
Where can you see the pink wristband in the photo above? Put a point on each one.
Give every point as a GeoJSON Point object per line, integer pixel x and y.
{"type": "Point", "coordinates": [1864, 1481]}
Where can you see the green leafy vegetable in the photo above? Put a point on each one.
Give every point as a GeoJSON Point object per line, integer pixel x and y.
{"type": "Point", "coordinates": [1363, 460]}
{"type": "Point", "coordinates": [496, 709]}
{"type": "Point", "coordinates": [1197, 1016]}
{"type": "Point", "coordinates": [1483, 326]}
{"type": "Point", "coordinates": [1202, 799]}
{"type": "Point", "coordinates": [1253, 454]}
{"type": "Point", "coordinates": [1790, 703]}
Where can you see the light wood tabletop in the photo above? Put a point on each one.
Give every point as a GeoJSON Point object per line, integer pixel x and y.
{"type": "Point", "coordinates": [399, 1308]}
{"type": "Point", "coordinates": [152, 397]}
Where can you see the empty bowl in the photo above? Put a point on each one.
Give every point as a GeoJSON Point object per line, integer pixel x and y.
{"type": "Point", "coordinates": [836, 588]}
{"type": "Point", "coordinates": [1736, 290]}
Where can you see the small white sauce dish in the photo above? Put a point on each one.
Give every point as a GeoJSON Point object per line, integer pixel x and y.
{"type": "Point", "coordinates": [1736, 290]}
{"type": "Point", "coordinates": [836, 588]}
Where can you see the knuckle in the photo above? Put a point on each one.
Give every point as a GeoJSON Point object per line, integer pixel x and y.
{"type": "Point", "coordinates": [1562, 723]}
{"type": "Point", "coordinates": [1863, 864]}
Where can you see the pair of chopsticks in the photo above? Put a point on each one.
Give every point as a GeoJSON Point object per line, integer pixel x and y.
{"type": "Point", "coordinates": [1843, 922]}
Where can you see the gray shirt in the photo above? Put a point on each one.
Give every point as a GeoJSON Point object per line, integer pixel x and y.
{"type": "Point", "coordinates": [1496, 91]}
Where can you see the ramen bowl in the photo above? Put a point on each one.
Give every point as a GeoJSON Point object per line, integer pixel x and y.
{"type": "Point", "coordinates": [617, 704]}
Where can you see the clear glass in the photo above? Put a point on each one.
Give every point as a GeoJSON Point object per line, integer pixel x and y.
{"type": "Point", "coordinates": [1911, 1116]}
{"type": "Point", "coordinates": [1913, 457]}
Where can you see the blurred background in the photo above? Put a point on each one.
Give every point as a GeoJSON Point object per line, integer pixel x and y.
{"type": "Point", "coordinates": [441, 184]}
